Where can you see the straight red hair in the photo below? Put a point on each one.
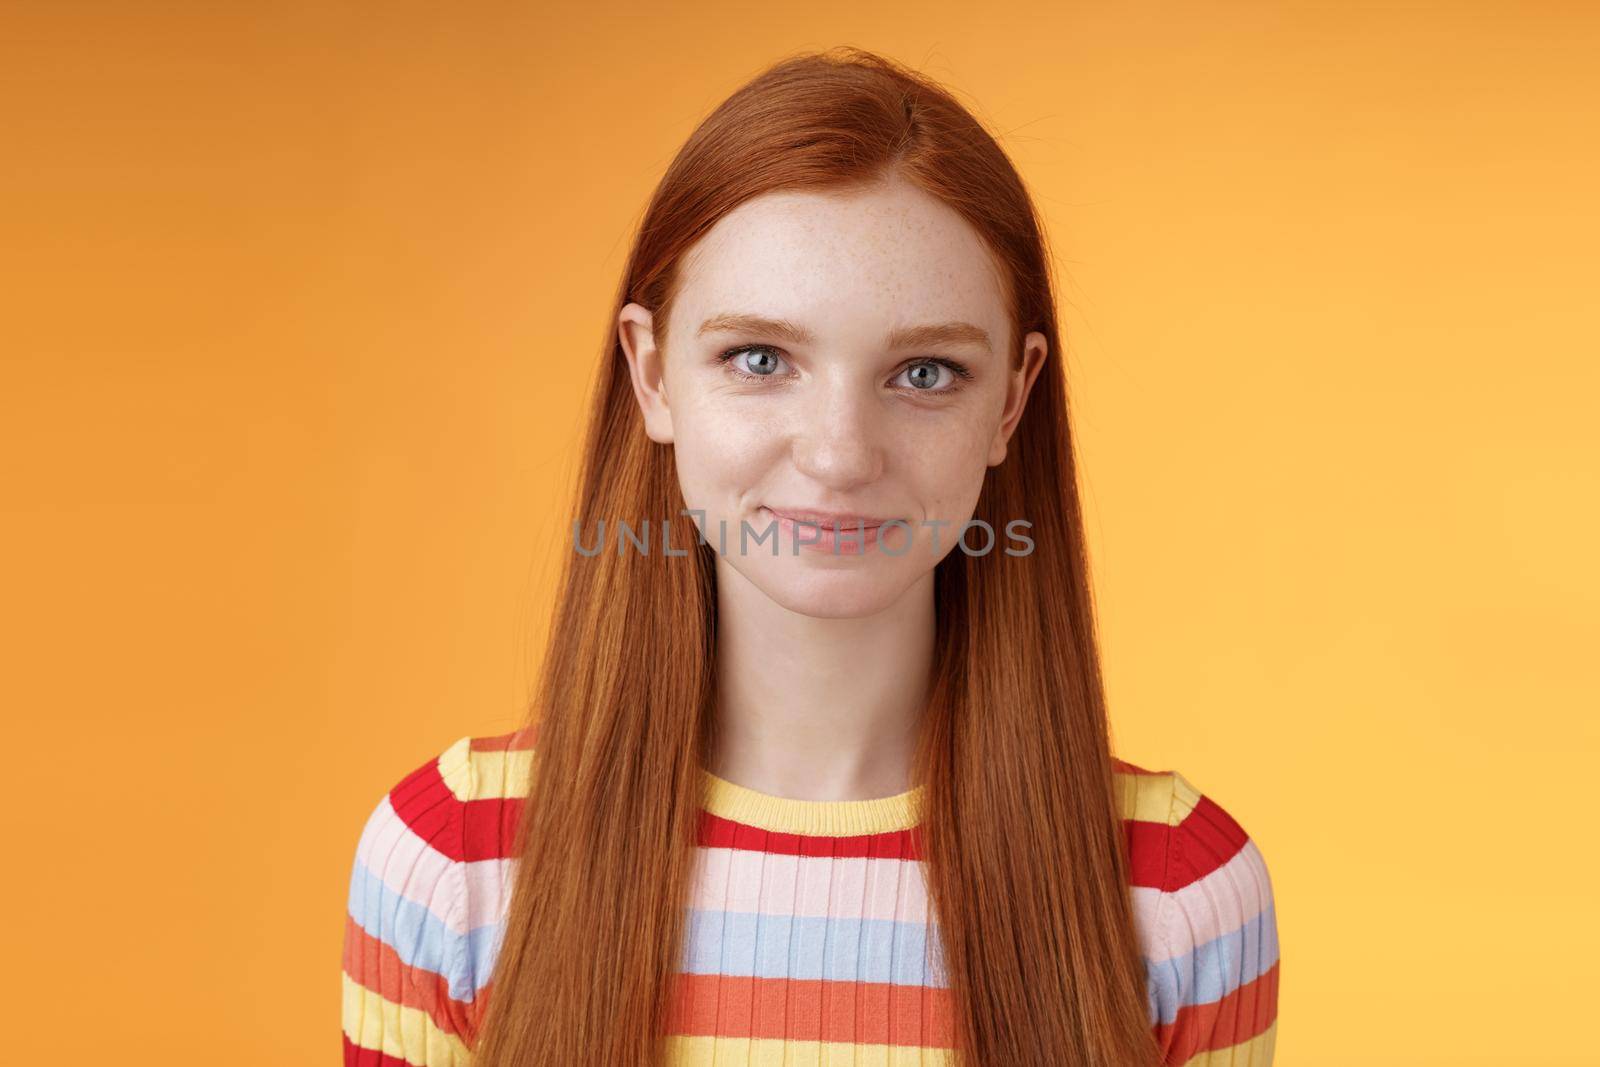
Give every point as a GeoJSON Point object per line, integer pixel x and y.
{"type": "Point", "coordinates": [1025, 855]}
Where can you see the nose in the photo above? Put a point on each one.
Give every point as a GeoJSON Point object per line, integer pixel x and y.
{"type": "Point", "coordinates": [837, 436]}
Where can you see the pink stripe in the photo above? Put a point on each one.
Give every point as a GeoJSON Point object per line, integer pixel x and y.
{"type": "Point", "coordinates": [1217, 904]}
{"type": "Point", "coordinates": [389, 849]}
{"type": "Point", "coordinates": [717, 832]}
{"type": "Point", "coordinates": [736, 879]}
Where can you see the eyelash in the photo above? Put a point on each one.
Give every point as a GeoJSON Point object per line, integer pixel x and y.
{"type": "Point", "coordinates": [962, 374]}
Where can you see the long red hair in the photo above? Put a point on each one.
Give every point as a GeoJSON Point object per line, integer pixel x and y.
{"type": "Point", "coordinates": [1023, 844]}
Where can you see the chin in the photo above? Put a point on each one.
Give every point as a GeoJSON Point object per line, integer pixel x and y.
{"type": "Point", "coordinates": [832, 594]}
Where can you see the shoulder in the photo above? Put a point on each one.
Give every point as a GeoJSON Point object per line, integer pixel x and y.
{"type": "Point", "coordinates": [462, 802]}
{"type": "Point", "coordinates": [431, 876]}
{"type": "Point", "coordinates": [1176, 834]}
{"type": "Point", "coordinates": [1207, 923]}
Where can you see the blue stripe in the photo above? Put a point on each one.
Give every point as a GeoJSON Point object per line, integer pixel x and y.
{"type": "Point", "coordinates": [1213, 970]}
{"type": "Point", "coordinates": [749, 944]}
{"type": "Point", "coordinates": [418, 936]}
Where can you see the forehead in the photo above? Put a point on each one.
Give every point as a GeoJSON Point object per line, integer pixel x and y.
{"type": "Point", "coordinates": [887, 254]}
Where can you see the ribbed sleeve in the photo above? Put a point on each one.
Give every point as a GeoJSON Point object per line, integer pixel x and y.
{"type": "Point", "coordinates": [409, 981]}
{"type": "Point", "coordinates": [1214, 981]}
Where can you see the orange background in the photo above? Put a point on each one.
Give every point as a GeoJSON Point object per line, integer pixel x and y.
{"type": "Point", "coordinates": [302, 300]}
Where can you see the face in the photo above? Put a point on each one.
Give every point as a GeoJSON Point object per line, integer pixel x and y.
{"type": "Point", "coordinates": [843, 353]}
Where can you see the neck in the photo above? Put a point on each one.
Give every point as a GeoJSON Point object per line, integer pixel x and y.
{"type": "Point", "coordinates": [815, 708]}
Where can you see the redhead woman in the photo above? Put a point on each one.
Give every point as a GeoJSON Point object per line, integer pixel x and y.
{"type": "Point", "coordinates": [818, 768]}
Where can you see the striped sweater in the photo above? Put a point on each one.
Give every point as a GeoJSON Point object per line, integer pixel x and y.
{"type": "Point", "coordinates": [810, 939]}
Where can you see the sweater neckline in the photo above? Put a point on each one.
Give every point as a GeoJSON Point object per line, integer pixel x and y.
{"type": "Point", "coordinates": [829, 818]}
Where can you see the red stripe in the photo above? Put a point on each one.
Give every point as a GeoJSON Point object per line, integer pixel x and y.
{"type": "Point", "coordinates": [374, 964]}
{"type": "Point", "coordinates": [717, 832]}
{"type": "Point", "coordinates": [705, 1005]}
{"type": "Point", "coordinates": [430, 809]}
{"type": "Point", "coordinates": [356, 1056]}
{"type": "Point", "coordinates": [462, 830]}
{"type": "Point", "coordinates": [515, 741]}
{"type": "Point", "coordinates": [1132, 768]}
{"type": "Point", "coordinates": [1220, 1024]}
{"type": "Point", "coordinates": [1206, 839]}
{"type": "Point", "coordinates": [1147, 852]}
{"type": "Point", "coordinates": [489, 828]}
{"type": "Point", "coordinates": [1168, 858]}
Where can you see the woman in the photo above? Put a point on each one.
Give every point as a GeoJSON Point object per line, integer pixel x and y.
{"type": "Point", "coordinates": [799, 790]}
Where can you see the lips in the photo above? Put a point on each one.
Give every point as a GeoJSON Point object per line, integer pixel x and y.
{"type": "Point", "coordinates": [829, 518]}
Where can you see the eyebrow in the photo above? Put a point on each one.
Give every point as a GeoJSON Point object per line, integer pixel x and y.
{"type": "Point", "coordinates": [903, 337]}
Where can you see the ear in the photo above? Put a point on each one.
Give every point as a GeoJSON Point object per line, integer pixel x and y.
{"type": "Point", "coordinates": [1018, 385]}
{"type": "Point", "coordinates": [646, 369]}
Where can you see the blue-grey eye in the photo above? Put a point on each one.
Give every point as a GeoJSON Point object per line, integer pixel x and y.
{"type": "Point", "coordinates": [923, 375]}
{"type": "Point", "coordinates": [761, 361]}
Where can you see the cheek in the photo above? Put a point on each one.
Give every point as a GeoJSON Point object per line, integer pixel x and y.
{"type": "Point", "coordinates": [946, 470]}
{"type": "Point", "coordinates": [719, 455]}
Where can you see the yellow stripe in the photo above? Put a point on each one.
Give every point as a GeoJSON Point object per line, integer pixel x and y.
{"type": "Point", "coordinates": [1164, 798]}
{"type": "Point", "coordinates": [1256, 1052]}
{"type": "Point", "coordinates": [501, 774]}
{"type": "Point", "coordinates": [842, 818]}
{"type": "Point", "coordinates": [1150, 797]}
{"type": "Point", "coordinates": [375, 1022]}
{"type": "Point", "coordinates": [1184, 797]}
{"type": "Point", "coordinates": [485, 775]}
{"type": "Point", "coordinates": [456, 769]}
{"type": "Point", "coordinates": [683, 1051]}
